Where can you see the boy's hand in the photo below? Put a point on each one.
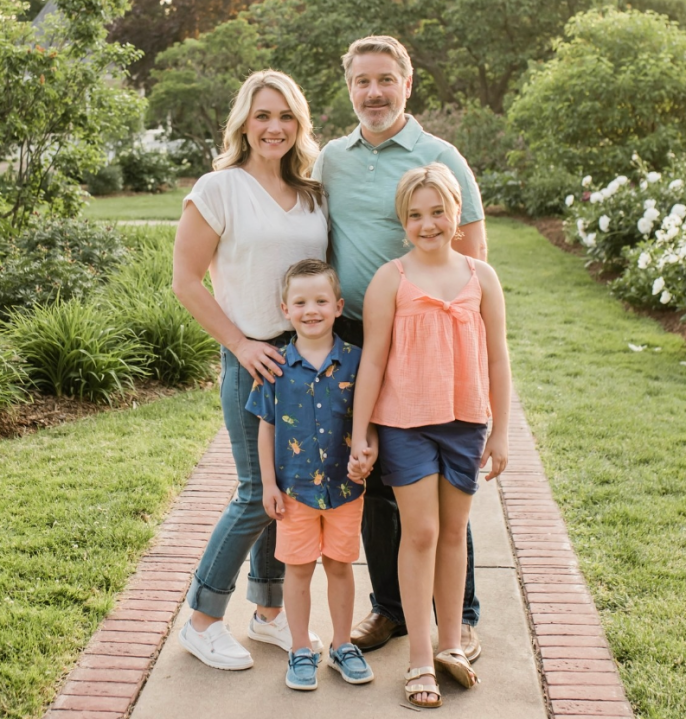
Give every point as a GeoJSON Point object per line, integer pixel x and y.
{"type": "Point", "coordinates": [272, 499]}
{"type": "Point", "coordinates": [362, 458]}
{"type": "Point", "coordinates": [496, 450]}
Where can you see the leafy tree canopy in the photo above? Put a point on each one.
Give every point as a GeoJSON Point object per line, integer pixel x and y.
{"type": "Point", "coordinates": [197, 79]}
{"type": "Point", "coordinates": [617, 85]}
{"type": "Point", "coordinates": [61, 100]}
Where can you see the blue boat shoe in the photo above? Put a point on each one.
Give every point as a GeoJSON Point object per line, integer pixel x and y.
{"type": "Point", "coordinates": [348, 660]}
{"type": "Point", "coordinates": [302, 670]}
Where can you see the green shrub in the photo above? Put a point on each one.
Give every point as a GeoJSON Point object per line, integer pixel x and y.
{"type": "Point", "coordinates": [106, 181]}
{"type": "Point", "coordinates": [481, 136]}
{"type": "Point", "coordinates": [74, 349]}
{"type": "Point", "coordinates": [617, 85]}
{"type": "Point", "coordinates": [13, 378]}
{"type": "Point", "coordinates": [65, 258]}
{"type": "Point", "coordinates": [189, 159]}
{"type": "Point", "coordinates": [502, 188]}
{"type": "Point", "coordinates": [146, 170]}
{"type": "Point", "coordinates": [544, 190]}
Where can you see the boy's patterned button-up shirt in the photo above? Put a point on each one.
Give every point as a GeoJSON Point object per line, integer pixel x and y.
{"type": "Point", "coordinates": [311, 411]}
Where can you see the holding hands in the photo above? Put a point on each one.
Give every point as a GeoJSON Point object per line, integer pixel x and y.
{"type": "Point", "coordinates": [362, 458]}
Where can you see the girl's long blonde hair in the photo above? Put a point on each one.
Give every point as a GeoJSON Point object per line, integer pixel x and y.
{"type": "Point", "coordinates": [296, 165]}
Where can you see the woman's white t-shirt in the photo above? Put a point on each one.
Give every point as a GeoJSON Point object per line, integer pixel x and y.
{"type": "Point", "coordinates": [258, 242]}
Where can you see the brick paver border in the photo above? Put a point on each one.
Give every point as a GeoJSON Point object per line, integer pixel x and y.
{"type": "Point", "coordinates": [579, 674]}
{"type": "Point", "coordinates": [580, 677]}
{"type": "Point", "coordinates": [115, 664]}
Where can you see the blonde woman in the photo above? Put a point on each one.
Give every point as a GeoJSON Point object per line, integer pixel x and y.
{"type": "Point", "coordinates": [248, 222]}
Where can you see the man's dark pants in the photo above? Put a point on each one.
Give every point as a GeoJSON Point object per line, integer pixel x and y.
{"type": "Point", "coordinates": [381, 530]}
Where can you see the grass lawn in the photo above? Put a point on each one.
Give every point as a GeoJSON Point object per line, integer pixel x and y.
{"type": "Point", "coordinates": [79, 504]}
{"type": "Point", "coordinates": [159, 206]}
{"type": "Point", "coordinates": [610, 425]}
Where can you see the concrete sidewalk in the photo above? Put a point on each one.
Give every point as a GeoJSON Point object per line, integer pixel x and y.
{"type": "Point", "coordinates": [544, 650]}
{"type": "Point", "coordinates": [180, 686]}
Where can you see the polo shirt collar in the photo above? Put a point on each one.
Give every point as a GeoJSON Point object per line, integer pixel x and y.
{"type": "Point", "coordinates": [406, 138]}
{"type": "Point", "coordinates": [293, 356]}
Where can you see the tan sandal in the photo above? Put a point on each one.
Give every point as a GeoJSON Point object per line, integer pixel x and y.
{"type": "Point", "coordinates": [412, 689]}
{"type": "Point", "coordinates": [455, 662]}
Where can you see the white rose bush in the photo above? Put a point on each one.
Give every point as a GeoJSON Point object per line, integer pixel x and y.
{"type": "Point", "coordinates": [637, 229]}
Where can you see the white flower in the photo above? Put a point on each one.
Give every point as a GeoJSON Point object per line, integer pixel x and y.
{"type": "Point", "coordinates": [649, 204]}
{"type": "Point", "coordinates": [635, 157]}
{"type": "Point", "coordinates": [676, 184]}
{"type": "Point", "coordinates": [653, 176]}
{"type": "Point", "coordinates": [604, 223]}
{"type": "Point", "coordinates": [613, 187]}
{"type": "Point", "coordinates": [580, 226]}
{"type": "Point", "coordinates": [569, 200]}
{"type": "Point", "coordinates": [665, 298]}
{"type": "Point", "coordinates": [596, 197]}
{"type": "Point", "coordinates": [589, 240]}
{"type": "Point", "coordinates": [658, 285]}
{"type": "Point", "coordinates": [637, 348]}
{"type": "Point", "coordinates": [586, 181]}
{"type": "Point", "coordinates": [643, 185]}
{"type": "Point", "coordinates": [621, 180]}
{"type": "Point", "coordinates": [645, 226]}
{"type": "Point", "coordinates": [651, 214]}
{"type": "Point", "coordinates": [644, 260]}
{"type": "Point", "coordinates": [679, 211]}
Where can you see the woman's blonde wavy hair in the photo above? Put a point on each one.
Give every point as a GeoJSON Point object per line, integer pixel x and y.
{"type": "Point", "coordinates": [296, 165]}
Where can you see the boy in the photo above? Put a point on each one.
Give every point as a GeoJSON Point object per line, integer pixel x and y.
{"type": "Point", "coordinates": [303, 448]}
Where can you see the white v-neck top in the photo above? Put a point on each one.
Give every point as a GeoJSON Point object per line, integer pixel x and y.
{"type": "Point", "coordinates": [258, 242]}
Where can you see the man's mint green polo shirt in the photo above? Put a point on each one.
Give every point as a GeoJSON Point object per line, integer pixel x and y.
{"type": "Point", "coordinates": [360, 181]}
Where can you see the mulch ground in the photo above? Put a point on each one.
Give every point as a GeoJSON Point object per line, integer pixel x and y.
{"type": "Point", "coordinates": [44, 411]}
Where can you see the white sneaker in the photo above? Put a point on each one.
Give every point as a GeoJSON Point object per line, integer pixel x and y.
{"type": "Point", "coordinates": [215, 647]}
{"type": "Point", "coordinates": [278, 632]}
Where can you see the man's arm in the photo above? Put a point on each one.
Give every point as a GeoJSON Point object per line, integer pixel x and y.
{"type": "Point", "coordinates": [473, 240]}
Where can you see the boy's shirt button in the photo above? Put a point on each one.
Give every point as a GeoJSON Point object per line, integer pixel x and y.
{"type": "Point", "coordinates": [319, 405]}
{"type": "Point", "coordinates": [321, 430]}
{"type": "Point", "coordinates": [316, 379]}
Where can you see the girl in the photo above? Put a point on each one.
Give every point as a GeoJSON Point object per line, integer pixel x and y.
{"type": "Point", "coordinates": [434, 352]}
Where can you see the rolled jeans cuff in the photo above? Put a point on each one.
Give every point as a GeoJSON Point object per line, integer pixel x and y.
{"type": "Point", "coordinates": [208, 601]}
{"type": "Point", "coordinates": [265, 592]}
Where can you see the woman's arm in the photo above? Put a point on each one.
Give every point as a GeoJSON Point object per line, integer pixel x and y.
{"type": "Point", "coordinates": [195, 245]}
{"type": "Point", "coordinates": [378, 315]}
{"type": "Point", "coordinates": [493, 314]}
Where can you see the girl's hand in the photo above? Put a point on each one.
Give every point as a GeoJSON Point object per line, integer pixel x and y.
{"type": "Point", "coordinates": [362, 458]}
{"type": "Point", "coordinates": [272, 499]}
{"type": "Point", "coordinates": [496, 450]}
{"type": "Point", "coordinates": [260, 359]}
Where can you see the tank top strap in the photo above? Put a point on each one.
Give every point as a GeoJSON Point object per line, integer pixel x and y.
{"type": "Point", "coordinates": [471, 263]}
{"type": "Point", "coordinates": [399, 265]}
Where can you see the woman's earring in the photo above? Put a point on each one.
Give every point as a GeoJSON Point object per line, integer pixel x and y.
{"type": "Point", "coordinates": [244, 144]}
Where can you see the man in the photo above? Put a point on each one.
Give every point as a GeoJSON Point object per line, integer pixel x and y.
{"type": "Point", "coordinates": [360, 173]}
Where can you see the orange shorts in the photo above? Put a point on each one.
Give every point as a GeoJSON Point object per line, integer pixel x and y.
{"type": "Point", "coordinates": [305, 533]}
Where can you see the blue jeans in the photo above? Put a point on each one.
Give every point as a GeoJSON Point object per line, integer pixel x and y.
{"type": "Point", "coordinates": [381, 532]}
{"type": "Point", "coordinates": [244, 527]}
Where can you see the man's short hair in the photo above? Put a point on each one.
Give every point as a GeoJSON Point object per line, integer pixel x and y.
{"type": "Point", "coordinates": [311, 268]}
{"type": "Point", "coordinates": [378, 43]}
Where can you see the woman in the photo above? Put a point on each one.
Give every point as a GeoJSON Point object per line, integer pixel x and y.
{"type": "Point", "coordinates": [247, 221]}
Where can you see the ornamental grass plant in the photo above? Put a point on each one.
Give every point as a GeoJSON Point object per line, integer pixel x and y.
{"type": "Point", "coordinates": [73, 349]}
{"type": "Point", "coordinates": [13, 378]}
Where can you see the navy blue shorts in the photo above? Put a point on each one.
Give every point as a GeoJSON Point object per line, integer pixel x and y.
{"type": "Point", "coordinates": [453, 450]}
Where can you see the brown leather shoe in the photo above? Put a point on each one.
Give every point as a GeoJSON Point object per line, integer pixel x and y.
{"type": "Point", "coordinates": [374, 631]}
{"type": "Point", "coordinates": [470, 642]}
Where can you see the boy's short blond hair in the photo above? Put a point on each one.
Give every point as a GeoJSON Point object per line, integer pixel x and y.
{"type": "Point", "coordinates": [311, 268]}
{"type": "Point", "coordinates": [378, 43]}
{"type": "Point", "coordinates": [437, 176]}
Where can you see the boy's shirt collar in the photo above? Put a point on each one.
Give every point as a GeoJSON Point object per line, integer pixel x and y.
{"type": "Point", "coordinates": [293, 356]}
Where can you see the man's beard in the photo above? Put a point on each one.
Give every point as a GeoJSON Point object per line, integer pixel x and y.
{"type": "Point", "coordinates": [381, 122]}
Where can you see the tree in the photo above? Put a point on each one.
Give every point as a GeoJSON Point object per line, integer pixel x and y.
{"type": "Point", "coordinates": [154, 25]}
{"type": "Point", "coordinates": [461, 49]}
{"type": "Point", "coordinates": [196, 80]}
{"type": "Point", "coordinates": [61, 98]}
{"type": "Point", "coordinates": [617, 85]}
